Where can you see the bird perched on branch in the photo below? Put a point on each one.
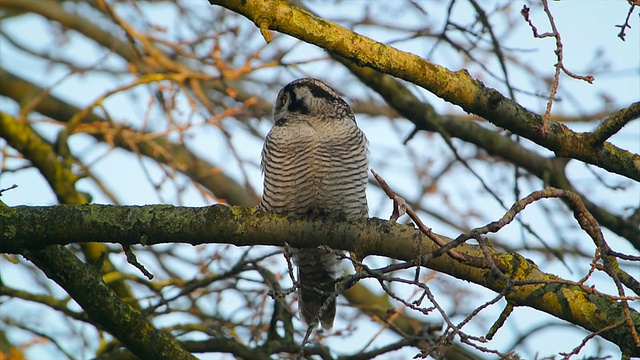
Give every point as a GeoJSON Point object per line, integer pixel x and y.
{"type": "Point", "coordinates": [315, 162]}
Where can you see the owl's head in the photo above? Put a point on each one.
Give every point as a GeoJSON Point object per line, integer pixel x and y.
{"type": "Point", "coordinates": [311, 98]}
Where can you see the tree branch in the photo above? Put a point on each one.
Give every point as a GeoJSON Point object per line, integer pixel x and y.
{"type": "Point", "coordinates": [84, 283]}
{"type": "Point", "coordinates": [207, 174]}
{"type": "Point", "coordinates": [29, 228]}
{"type": "Point", "coordinates": [21, 137]}
{"type": "Point", "coordinates": [456, 87]}
{"type": "Point", "coordinates": [424, 117]}
{"type": "Point", "coordinates": [615, 122]}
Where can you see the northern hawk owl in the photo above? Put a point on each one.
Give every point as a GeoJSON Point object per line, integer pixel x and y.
{"type": "Point", "coordinates": [315, 162]}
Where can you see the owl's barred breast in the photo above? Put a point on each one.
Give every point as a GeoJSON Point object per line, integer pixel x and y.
{"type": "Point", "coordinates": [315, 168]}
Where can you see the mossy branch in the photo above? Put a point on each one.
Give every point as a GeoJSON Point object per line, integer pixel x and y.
{"type": "Point", "coordinates": [455, 87]}
{"type": "Point", "coordinates": [85, 284]}
{"type": "Point", "coordinates": [25, 229]}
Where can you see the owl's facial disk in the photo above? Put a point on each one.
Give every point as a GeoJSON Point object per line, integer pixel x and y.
{"type": "Point", "coordinates": [308, 97]}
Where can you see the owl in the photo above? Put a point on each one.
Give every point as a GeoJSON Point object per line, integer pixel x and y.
{"type": "Point", "coordinates": [315, 161]}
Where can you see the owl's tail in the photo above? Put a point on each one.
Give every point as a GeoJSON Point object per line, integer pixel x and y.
{"type": "Point", "coordinates": [318, 270]}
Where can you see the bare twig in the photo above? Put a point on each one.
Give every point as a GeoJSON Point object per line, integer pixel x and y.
{"type": "Point", "coordinates": [586, 222]}
{"type": "Point", "coordinates": [416, 219]}
{"type": "Point", "coordinates": [131, 259]}
{"type": "Point", "coordinates": [7, 189]}
{"type": "Point", "coordinates": [499, 321]}
{"type": "Point", "coordinates": [559, 55]}
{"type": "Point", "coordinates": [584, 341]}
{"type": "Point", "coordinates": [623, 27]}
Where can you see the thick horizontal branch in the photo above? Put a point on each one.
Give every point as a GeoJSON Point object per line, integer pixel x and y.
{"type": "Point", "coordinates": [24, 229]}
{"type": "Point", "coordinates": [456, 87]}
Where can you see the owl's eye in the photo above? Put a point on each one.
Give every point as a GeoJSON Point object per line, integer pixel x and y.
{"type": "Point", "coordinates": [282, 101]}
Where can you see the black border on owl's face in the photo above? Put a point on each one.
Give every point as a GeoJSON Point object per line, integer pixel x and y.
{"type": "Point", "coordinates": [297, 104]}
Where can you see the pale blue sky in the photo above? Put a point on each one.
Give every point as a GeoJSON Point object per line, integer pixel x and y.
{"type": "Point", "coordinates": [587, 28]}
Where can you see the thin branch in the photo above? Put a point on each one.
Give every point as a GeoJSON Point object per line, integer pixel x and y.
{"type": "Point", "coordinates": [623, 27]}
{"type": "Point", "coordinates": [416, 219]}
{"type": "Point", "coordinates": [84, 283]}
{"type": "Point", "coordinates": [559, 64]}
{"type": "Point", "coordinates": [614, 123]}
{"type": "Point", "coordinates": [131, 259]}
{"type": "Point", "coordinates": [8, 188]}
{"type": "Point", "coordinates": [456, 87]}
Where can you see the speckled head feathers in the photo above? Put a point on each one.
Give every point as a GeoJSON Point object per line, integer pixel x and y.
{"type": "Point", "coordinates": [310, 97]}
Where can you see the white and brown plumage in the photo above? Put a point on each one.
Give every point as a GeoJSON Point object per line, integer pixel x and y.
{"type": "Point", "coordinates": [315, 162]}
